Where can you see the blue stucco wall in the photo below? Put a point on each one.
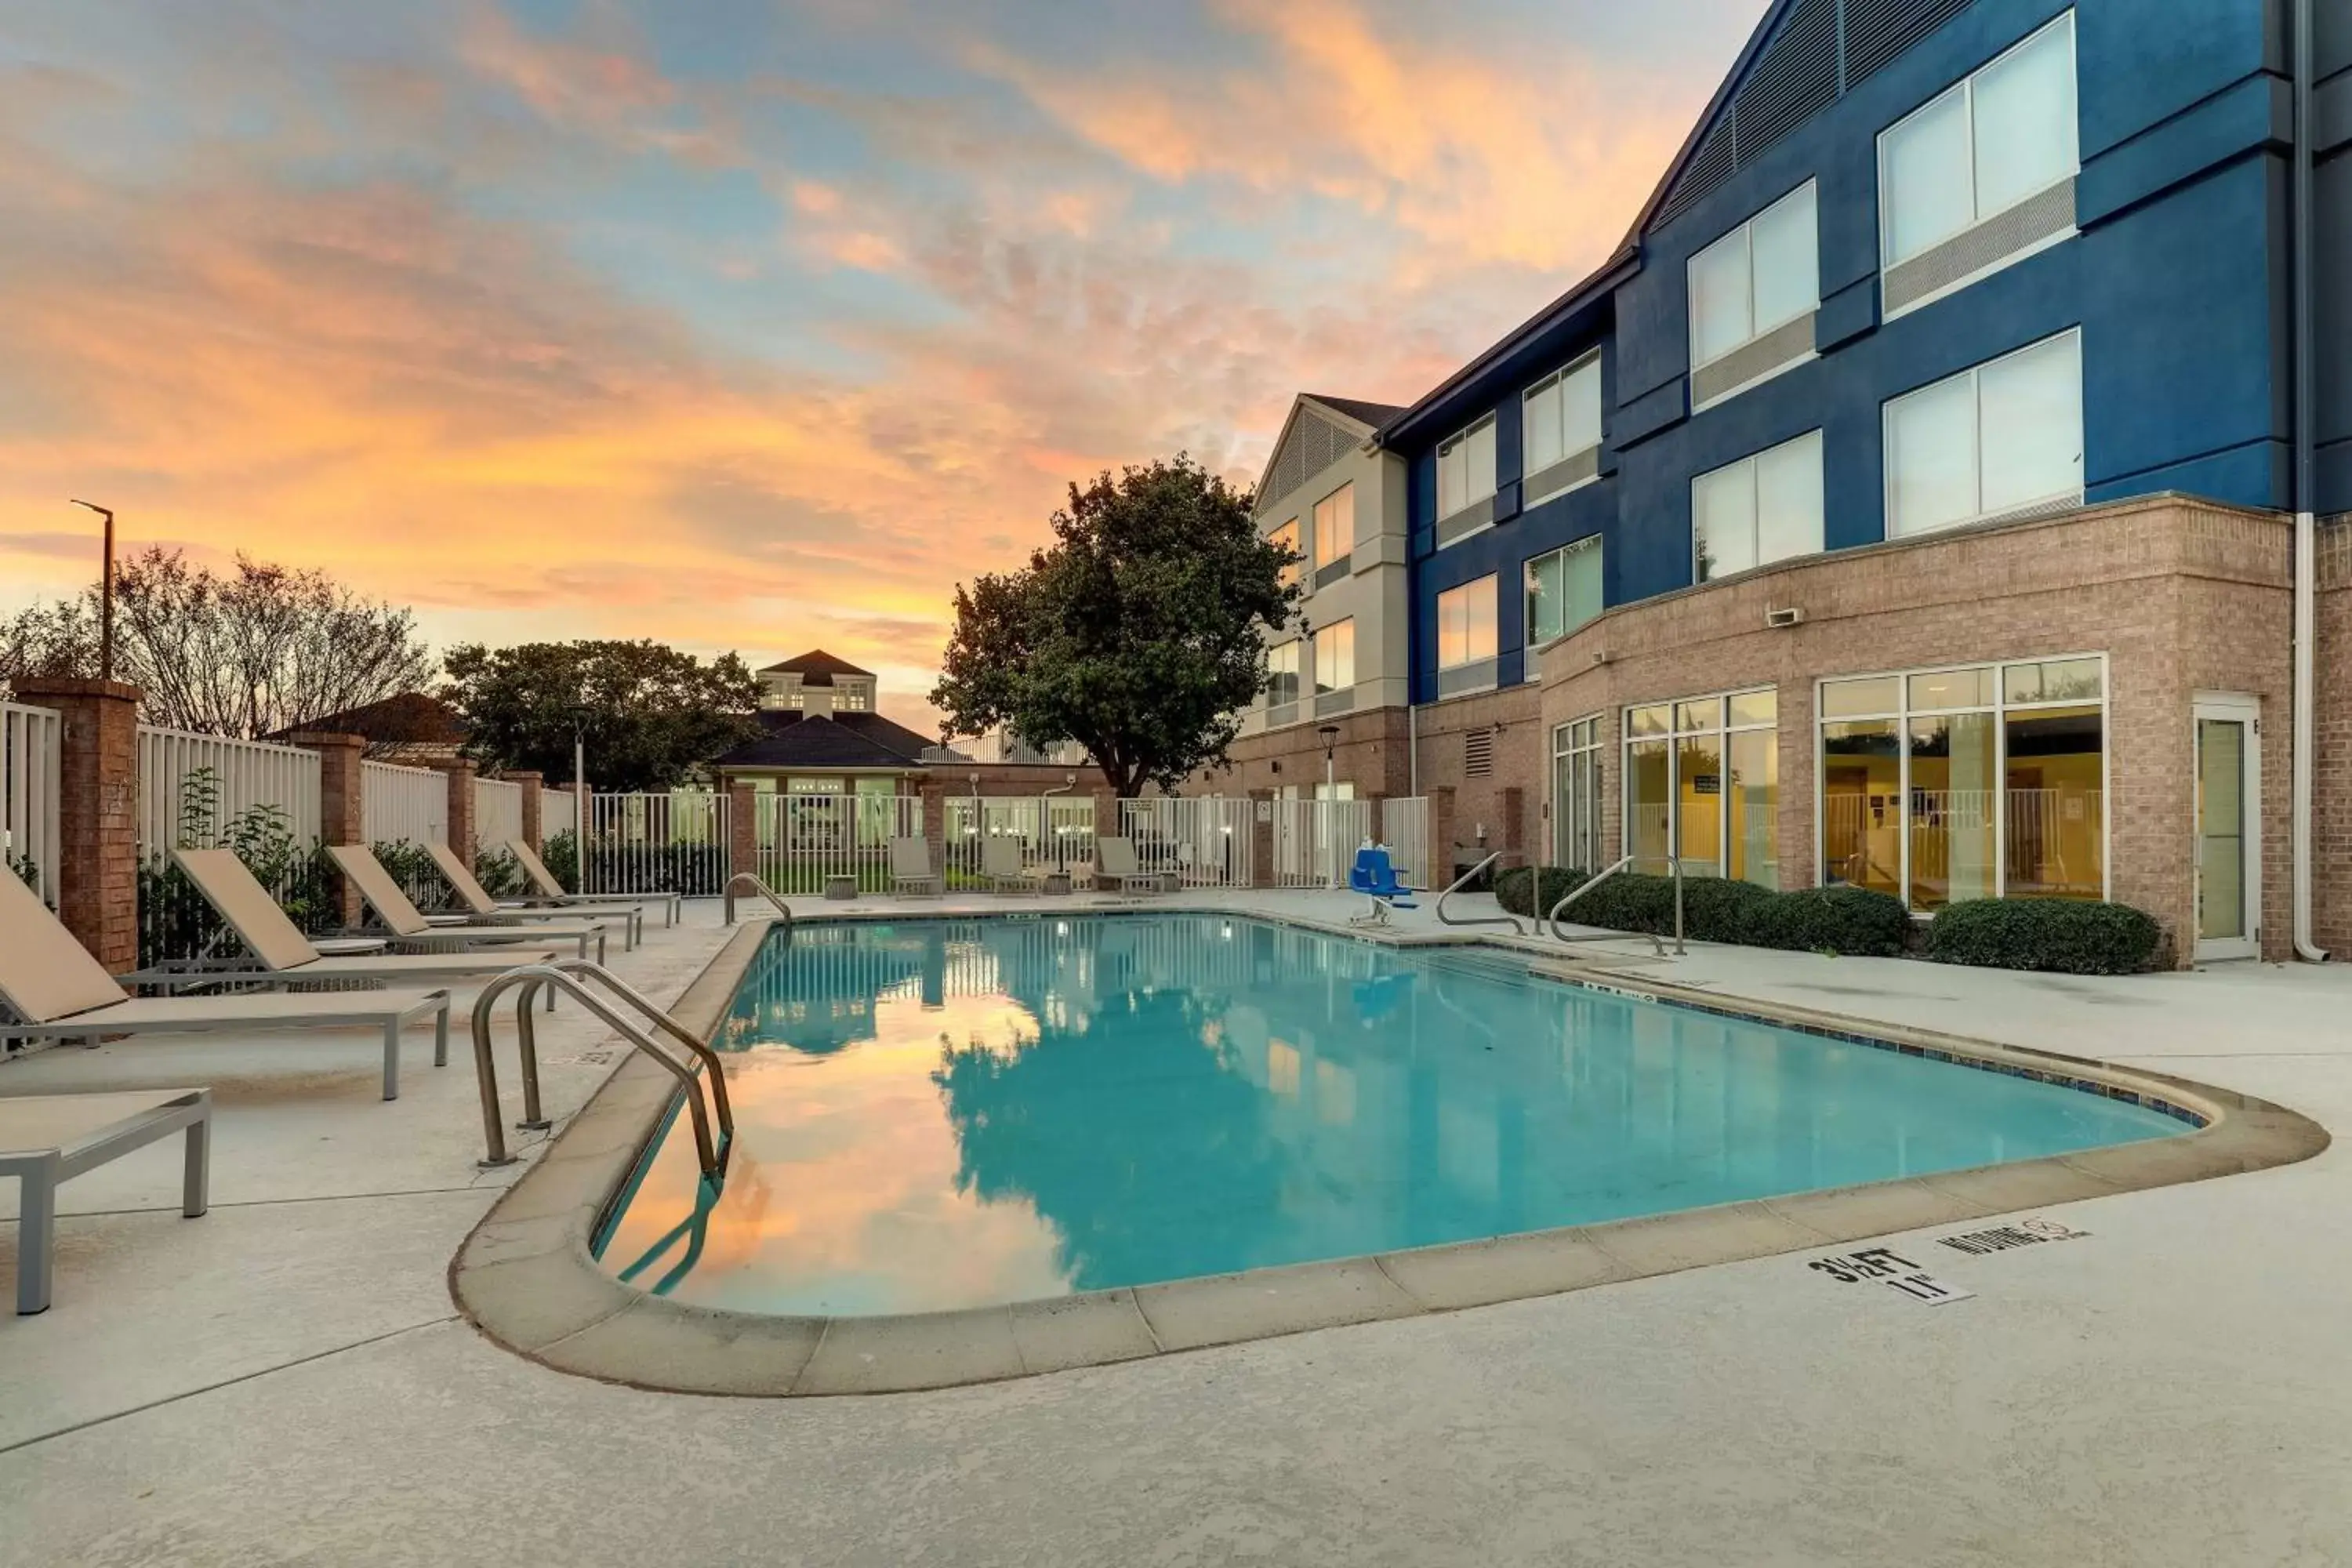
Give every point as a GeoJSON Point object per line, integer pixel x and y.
{"type": "Point", "coordinates": [2177, 281]}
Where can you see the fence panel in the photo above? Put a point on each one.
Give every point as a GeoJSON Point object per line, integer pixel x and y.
{"type": "Point", "coordinates": [243, 775]}
{"type": "Point", "coordinates": [1204, 839]}
{"type": "Point", "coordinates": [558, 812]}
{"type": "Point", "coordinates": [1404, 828]}
{"type": "Point", "coordinates": [806, 837]}
{"type": "Point", "coordinates": [400, 805]}
{"type": "Point", "coordinates": [29, 739]}
{"type": "Point", "coordinates": [1054, 833]}
{"type": "Point", "coordinates": [498, 814]}
{"type": "Point", "coordinates": [665, 841]}
{"type": "Point", "coordinates": [1315, 841]}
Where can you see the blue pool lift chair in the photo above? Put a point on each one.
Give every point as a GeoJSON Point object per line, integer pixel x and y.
{"type": "Point", "coordinates": [1375, 876]}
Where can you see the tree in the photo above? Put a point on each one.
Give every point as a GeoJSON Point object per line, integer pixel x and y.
{"type": "Point", "coordinates": [1140, 633]}
{"type": "Point", "coordinates": [649, 714]}
{"type": "Point", "coordinates": [250, 652]}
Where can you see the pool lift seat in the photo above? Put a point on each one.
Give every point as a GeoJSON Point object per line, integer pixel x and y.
{"type": "Point", "coordinates": [1375, 876]}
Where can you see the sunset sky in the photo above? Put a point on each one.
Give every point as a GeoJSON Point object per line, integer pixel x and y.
{"type": "Point", "coordinates": [756, 323]}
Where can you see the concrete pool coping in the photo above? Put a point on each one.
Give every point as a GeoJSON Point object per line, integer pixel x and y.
{"type": "Point", "coordinates": [527, 1278]}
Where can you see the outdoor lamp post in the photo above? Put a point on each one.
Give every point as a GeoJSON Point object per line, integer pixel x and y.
{"type": "Point", "coordinates": [1330, 733]}
{"type": "Point", "coordinates": [105, 594]}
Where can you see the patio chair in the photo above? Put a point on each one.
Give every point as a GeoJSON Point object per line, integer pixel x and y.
{"type": "Point", "coordinates": [414, 929]}
{"type": "Point", "coordinates": [57, 990]}
{"type": "Point", "coordinates": [1115, 862]}
{"type": "Point", "coordinates": [1001, 868]}
{"type": "Point", "coordinates": [546, 889]}
{"type": "Point", "coordinates": [481, 906]}
{"type": "Point", "coordinates": [47, 1139]}
{"type": "Point", "coordinates": [285, 954]}
{"type": "Point", "coordinates": [910, 870]}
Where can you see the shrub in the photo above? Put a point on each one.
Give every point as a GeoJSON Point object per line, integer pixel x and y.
{"type": "Point", "coordinates": [2058, 935]}
{"type": "Point", "coordinates": [1716, 909]}
{"type": "Point", "coordinates": [1853, 921]}
{"type": "Point", "coordinates": [1517, 891]}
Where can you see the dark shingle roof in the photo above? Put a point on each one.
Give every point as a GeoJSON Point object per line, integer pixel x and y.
{"type": "Point", "coordinates": [413, 718]}
{"type": "Point", "coordinates": [815, 668]}
{"type": "Point", "coordinates": [795, 739]}
{"type": "Point", "coordinates": [1372, 413]}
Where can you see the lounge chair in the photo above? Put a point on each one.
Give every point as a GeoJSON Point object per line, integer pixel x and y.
{"type": "Point", "coordinates": [57, 991]}
{"type": "Point", "coordinates": [285, 954]}
{"type": "Point", "coordinates": [46, 1139]}
{"type": "Point", "coordinates": [1001, 868]}
{"type": "Point", "coordinates": [546, 889]}
{"type": "Point", "coordinates": [412, 929]}
{"type": "Point", "coordinates": [482, 906]}
{"type": "Point", "coordinates": [910, 870]}
{"type": "Point", "coordinates": [1115, 862]}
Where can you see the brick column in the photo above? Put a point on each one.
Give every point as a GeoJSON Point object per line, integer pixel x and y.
{"type": "Point", "coordinates": [342, 800]}
{"type": "Point", "coordinates": [1261, 831]}
{"type": "Point", "coordinates": [1510, 830]}
{"type": "Point", "coordinates": [534, 818]}
{"type": "Point", "coordinates": [1440, 836]}
{"type": "Point", "coordinates": [743, 828]}
{"type": "Point", "coordinates": [458, 772]}
{"type": "Point", "coordinates": [1107, 823]}
{"type": "Point", "coordinates": [934, 795]}
{"type": "Point", "coordinates": [98, 812]}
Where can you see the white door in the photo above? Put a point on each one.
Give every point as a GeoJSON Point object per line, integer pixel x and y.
{"type": "Point", "coordinates": [2228, 826]}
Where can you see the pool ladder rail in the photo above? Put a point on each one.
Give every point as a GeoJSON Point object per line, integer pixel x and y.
{"type": "Point", "coordinates": [751, 883]}
{"type": "Point", "coordinates": [1458, 883]}
{"type": "Point", "coordinates": [565, 976]}
{"type": "Point", "coordinates": [1551, 921]}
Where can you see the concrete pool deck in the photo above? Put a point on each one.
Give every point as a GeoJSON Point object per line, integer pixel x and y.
{"type": "Point", "coordinates": [287, 1379]}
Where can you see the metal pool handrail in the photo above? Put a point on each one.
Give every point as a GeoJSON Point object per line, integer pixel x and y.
{"type": "Point", "coordinates": [747, 879]}
{"type": "Point", "coordinates": [533, 977]}
{"type": "Point", "coordinates": [1445, 918]}
{"type": "Point", "coordinates": [1552, 920]}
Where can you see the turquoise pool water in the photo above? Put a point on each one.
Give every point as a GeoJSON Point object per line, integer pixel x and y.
{"type": "Point", "coordinates": [940, 1113]}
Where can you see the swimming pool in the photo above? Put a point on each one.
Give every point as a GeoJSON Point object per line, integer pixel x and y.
{"type": "Point", "coordinates": [940, 1113]}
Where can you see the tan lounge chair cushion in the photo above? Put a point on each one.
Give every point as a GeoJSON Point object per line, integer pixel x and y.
{"type": "Point", "coordinates": [247, 906]}
{"type": "Point", "coordinates": [45, 974]}
{"type": "Point", "coordinates": [392, 905]}
{"type": "Point", "coordinates": [460, 877]}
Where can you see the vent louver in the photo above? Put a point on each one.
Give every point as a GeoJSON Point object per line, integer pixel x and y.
{"type": "Point", "coordinates": [1478, 754]}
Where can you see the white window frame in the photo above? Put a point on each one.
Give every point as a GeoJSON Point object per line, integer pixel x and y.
{"type": "Point", "coordinates": [1560, 378]}
{"type": "Point", "coordinates": [1750, 462]}
{"type": "Point", "coordinates": [1967, 88]}
{"type": "Point", "coordinates": [1577, 742]}
{"type": "Point", "coordinates": [1973, 375]}
{"type": "Point", "coordinates": [1300, 655]}
{"type": "Point", "coordinates": [2000, 710]}
{"type": "Point", "coordinates": [1313, 676]}
{"type": "Point", "coordinates": [1724, 729]}
{"type": "Point", "coordinates": [1590, 542]}
{"type": "Point", "coordinates": [1302, 571]}
{"type": "Point", "coordinates": [1463, 503]}
{"type": "Point", "coordinates": [1315, 558]}
{"type": "Point", "coordinates": [1494, 585]}
{"type": "Point", "coordinates": [1744, 235]}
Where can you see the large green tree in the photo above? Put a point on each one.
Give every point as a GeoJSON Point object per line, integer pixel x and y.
{"type": "Point", "coordinates": [1140, 633]}
{"type": "Point", "coordinates": [648, 715]}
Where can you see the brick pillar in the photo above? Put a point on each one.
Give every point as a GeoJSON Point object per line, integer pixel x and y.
{"type": "Point", "coordinates": [534, 819]}
{"type": "Point", "coordinates": [458, 772]}
{"type": "Point", "coordinates": [1107, 823]}
{"type": "Point", "coordinates": [98, 812]}
{"type": "Point", "coordinates": [1376, 821]}
{"type": "Point", "coordinates": [933, 793]}
{"type": "Point", "coordinates": [342, 800]}
{"type": "Point", "coordinates": [1511, 833]}
{"type": "Point", "coordinates": [743, 828]}
{"type": "Point", "coordinates": [1440, 836]}
{"type": "Point", "coordinates": [1261, 831]}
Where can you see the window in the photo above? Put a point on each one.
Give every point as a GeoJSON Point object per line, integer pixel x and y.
{"type": "Point", "coordinates": [1335, 525]}
{"type": "Point", "coordinates": [2004, 135]}
{"type": "Point", "coordinates": [2002, 438]}
{"type": "Point", "coordinates": [1977, 782]}
{"type": "Point", "coordinates": [1760, 509]}
{"type": "Point", "coordinates": [1282, 673]}
{"type": "Point", "coordinates": [1762, 275]}
{"type": "Point", "coordinates": [1465, 468]}
{"type": "Point", "coordinates": [1702, 783]}
{"type": "Point", "coordinates": [1564, 590]}
{"type": "Point", "coordinates": [1286, 536]}
{"type": "Point", "coordinates": [1576, 795]}
{"type": "Point", "coordinates": [1335, 657]}
{"type": "Point", "coordinates": [1559, 417]}
{"type": "Point", "coordinates": [1465, 624]}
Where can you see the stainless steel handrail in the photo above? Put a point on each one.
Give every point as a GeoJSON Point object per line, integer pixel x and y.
{"type": "Point", "coordinates": [1445, 918]}
{"type": "Point", "coordinates": [745, 878]}
{"type": "Point", "coordinates": [530, 977]}
{"type": "Point", "coordinates": [1551, 921]}
{"type": "Point", "coordinates": [526, 1031]}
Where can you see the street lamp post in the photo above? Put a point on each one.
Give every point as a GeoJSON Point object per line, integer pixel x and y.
{"type": "Point", "coordinates": [105, 594]}
{"type": "Point", "coordinates": [1328, 811]}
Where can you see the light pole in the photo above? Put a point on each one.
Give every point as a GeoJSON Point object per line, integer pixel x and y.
{"type": "Point", "coordinates": [105, 594]}
{"type": "Point", "coordinates": [1327, 813]}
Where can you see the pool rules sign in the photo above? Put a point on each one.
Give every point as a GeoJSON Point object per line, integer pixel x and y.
{"type": "Point", "coordinates": [1885, 1266]}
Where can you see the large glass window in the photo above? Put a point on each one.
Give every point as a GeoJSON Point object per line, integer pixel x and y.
{"type": "Point", "coordinates": [1703, 782]}
{"type": "Point", "coordinates": [2004, 134]}
{"type": "Point", "coordinates": [1576, 795]}
{"type": "Point", "coordinates": [1335, 525]}
{"type": "Point", "coordinates": [1564, 590]}
{"type": "Point", "coordinates": [1981, 781]}
{"type": "Point", "coordinates": [1335, 657]}
{"type": "Point", "coordinates": [1465, 468]}
{"type": "Point", "coordinates": [1560, 416]}
{"type": "Point", "coordinates": [1758, 510]}
{"type": "Point", "coordinates": [1286, 536]}
{"type": "Point", "coordinates": [1764, 274]}
{"type": "Point", "coordinates": [2001, 437]}
{"type": "Point", "coordinates": [1282, 673]}
{"type": "Point", "coordinates": [1465, 624]}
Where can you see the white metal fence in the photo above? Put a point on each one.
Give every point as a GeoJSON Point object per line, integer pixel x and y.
{"type": "Point", "coordinates": [400, 805]}
{"type": "Point", "coordinates": [1054, 833]}
{"type": "Point", "coordinates": [29, 739]}
{"type": "Point", "coordinates": [558, 812]}
{"type": "Point", "coordinates": [1205, 840]}
{"type": "Point", "coordinates": [1404, 828]}
{"type": "Point", "coordinates": [661, 841]}
{"type": "Point", "coordinates": [238, 776]}
{"type": "Point", "coordinates": [498, 814]}
{"type": "Point", "coordinates": [803, 839]}
{"type": "Point", "coordinates": [1315, 841]}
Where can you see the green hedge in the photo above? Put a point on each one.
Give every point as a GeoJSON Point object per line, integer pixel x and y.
{"type": "Point", "coordinates": [1827, 920]}
{"type": "Point", "coordinates": [2058, 935]}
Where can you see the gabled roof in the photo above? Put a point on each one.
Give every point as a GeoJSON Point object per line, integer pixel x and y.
{"type": "Point", "coordinates": [1319, 432]}
{"type": "Point", "coordinates": [816, 667]}
{"type": "Point", "coordinates": [1370, 415]}
{"type": "Point", "coordinates": [795, 739]}
{"type": "Point", "coordinates": [412, 718]}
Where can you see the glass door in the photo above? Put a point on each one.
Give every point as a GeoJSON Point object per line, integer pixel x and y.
{"type": "Point", "coordinates": [2228, 827]}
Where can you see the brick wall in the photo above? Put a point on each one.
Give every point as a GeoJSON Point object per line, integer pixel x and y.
{"type": "Point", "coordinates": [1369, 751]}
{"type": "Point", "coordinates": [2331, 827]}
